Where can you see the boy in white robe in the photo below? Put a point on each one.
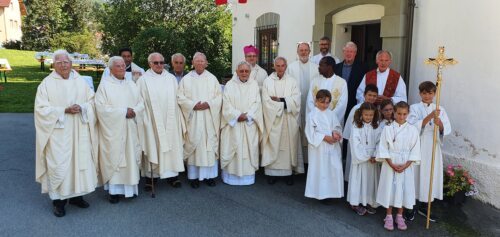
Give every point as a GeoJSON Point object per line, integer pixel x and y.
{"type": "Point", "coordinates": [371, 93]}
{"type": "Point", "coordinates": [323, 131]}
{"type": "Point", "coordinates": [242, 123]}
{"type": "Point", "coordinates": [425, 116]}
{"type": "Point", "coordinates": [118, 105]}
{"type": "Point", "coordinates": [398, 150]}
{"type": "Point", "coordinates": [66, 140]}
{"type": "Point", "coordinates": [363, 179]}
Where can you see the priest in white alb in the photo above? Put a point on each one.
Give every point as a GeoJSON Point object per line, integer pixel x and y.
{"type": "Point", "coordinates": [242, 124]}
{"type": "Point", "coordinates": [333, 83]}
{"type": "Point", "coordinates": [258, 74]}
{"type": "Point", "coordinates": [200, 99]}
{"type": "Point", "coordinates": [66, 142]}
{"type": "Point", "coordinates": [132, 70]}
{"type": "Point", "coordinates": [118, 106]}
{"type": "Point", "coordinates": [280, 140]}
{"type": "Point", "coordinates": [304, 71]}
{"type": "Point", "coordinates": [162, 125]}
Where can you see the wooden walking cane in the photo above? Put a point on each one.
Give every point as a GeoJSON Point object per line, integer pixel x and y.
{"type": "Point", "coordinates": [440, 62]}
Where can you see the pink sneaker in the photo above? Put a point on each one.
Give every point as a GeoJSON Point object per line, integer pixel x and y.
{"type": "Point", "coordinates": [400, 221]}
{"type": "Point", "coordinates": [388, 223]}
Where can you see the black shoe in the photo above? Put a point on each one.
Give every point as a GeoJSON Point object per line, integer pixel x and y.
{"type": "Point", "coordinates": [423, 212]}
{"type": "Point", "coordinates": [79, 202]}
{"type": "Point", "coordinates": [289, 180]}
{"type": "Point", "coordinates": [113, 199]}
{"type": "Point", "coordinates": [59, 208]}
{"type": "Point", "coordinates": [174, 182]}
{"type": "Point", "coordinates": [210, 182]}
{"type": "Point", "coordinates": [194, 183]}
{"type": "Point", "coordinates": [409, 215]}
{"type": "Point", "coordinates": [271, 180]}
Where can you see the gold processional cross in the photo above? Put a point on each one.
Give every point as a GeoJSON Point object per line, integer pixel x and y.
{"type": "Point", "coordinates": [440, 62]}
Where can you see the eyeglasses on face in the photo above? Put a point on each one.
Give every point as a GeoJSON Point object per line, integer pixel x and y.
{"type": "Point", "coordinates": [251, 56]}
{"type": "Point", "coordinates": [62, 62]}
{"type": "Point", "coordinates": [158, 62]}
{"type": "Point", "coordinates": [244, 71]}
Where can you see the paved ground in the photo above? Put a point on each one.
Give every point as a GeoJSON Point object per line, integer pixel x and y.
{"type": "Point", "coordinates": [258, 210]}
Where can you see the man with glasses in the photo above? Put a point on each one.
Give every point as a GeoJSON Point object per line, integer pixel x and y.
{"type": "Point", "coordinates": [251, 57]}
{"type": "Point", "coordinates": [132, 71]}
{"type": "Point", "coordinates": [178, 63]}
{"type": "Point", "coordinates": [162, 125]}
{"type": "Point", "coordinates": [325, 44]}
{"type": "Point", "coordinates": [242, 123]}
{"type": "Point", "coordinates": [66, 143]}
{"type": "Point", "coordinates": [200, 99]}
{"type": "Point", "coordinates": [118, 106]}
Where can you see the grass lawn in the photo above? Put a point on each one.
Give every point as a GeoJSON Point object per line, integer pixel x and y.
{"type": "Point", "coordinates": [18, 94]}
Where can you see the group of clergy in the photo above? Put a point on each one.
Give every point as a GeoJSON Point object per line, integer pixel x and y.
{"type": "Point", "coordinates": [152, 123]}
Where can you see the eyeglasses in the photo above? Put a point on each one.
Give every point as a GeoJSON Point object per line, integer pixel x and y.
{"type": "Point", "coordinates": [158, 62]}
{"type": "Point", "coordinates": [244, 71]}
{"type": "Point", "coordinates": [62, 62]}
{"type": "Point", "coordinates": [250, 56]}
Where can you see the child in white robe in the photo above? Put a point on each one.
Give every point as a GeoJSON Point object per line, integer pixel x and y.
{"type": "Point", "coordinates": [370, 95]}
{"type": "Point", "coordinates": [323, 132]}
{"type": "Point", "coordinates": [398, 149]}
{"type": "Point", "coordinates": [386, 113]}
{"type": "Point", "coordinates": [363, 178]}
{"type": "Point", "coordinates": [424, 117]}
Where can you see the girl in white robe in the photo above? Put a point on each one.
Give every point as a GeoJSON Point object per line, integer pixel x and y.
{"type": "Point", "coordinates": [398, 149]}
{"type": "Point", "coordinates": [324, 175]}
{"type": "Point", "coordinates": [363, 178]}
{"type": "Point", "coordinates": [386, 113]}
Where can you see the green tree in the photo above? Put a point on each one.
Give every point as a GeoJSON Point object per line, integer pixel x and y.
{"type": "Point", "coordinates": [170, 26]}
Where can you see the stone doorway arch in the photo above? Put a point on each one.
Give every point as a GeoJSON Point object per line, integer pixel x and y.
{"type": "Point", "coordinates": [392, 24]}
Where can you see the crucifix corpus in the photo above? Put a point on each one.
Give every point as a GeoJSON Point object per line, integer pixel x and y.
{"type": "Point", "coordinates": [440, 62]}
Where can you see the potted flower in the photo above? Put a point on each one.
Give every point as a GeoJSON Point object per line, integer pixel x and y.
{"type": "Point", "coordinates": [458, 184]}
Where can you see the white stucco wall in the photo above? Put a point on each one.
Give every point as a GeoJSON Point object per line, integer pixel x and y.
{"type": "Point", "coordinates": [296, 21]}
{"type": "Point", "coordinates": [10, 22]}
{"type": "Point", "coordinates": [471, 89]}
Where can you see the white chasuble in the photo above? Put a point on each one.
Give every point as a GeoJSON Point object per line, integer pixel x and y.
{"type": "Point", "coordinates": [324, 174]}
{"type": "Point", "coordinates": [364, 175]}
{"type": "Point", "coordinates": [201, 147]}
{"type": "Point", "coordinates": [66, 144]}
{"type": "Point", "coordinates": [162, 127]}
{"type": "Point", "coordinates": [240, 140]}
{"type": "Point", "coordinates": [119, 148]}
{"type": "Point", "coordinates": [280, 140]}
{"type": "Point", "coordinates": [423, 171]}
{"type": "Point", "coordinates": [398, 143]}
{"type": "Point", "coordinates": [337, 87]}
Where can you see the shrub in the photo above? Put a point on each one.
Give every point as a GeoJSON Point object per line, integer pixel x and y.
{"type": "Point", "coordinates": [12, 44]}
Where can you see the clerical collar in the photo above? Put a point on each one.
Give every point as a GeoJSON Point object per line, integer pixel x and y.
{"type": "Point", "coordinates": [117, 80]}
{"type": "Point", "coordinates": [242, 81]}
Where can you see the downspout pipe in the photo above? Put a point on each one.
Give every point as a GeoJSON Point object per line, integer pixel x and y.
{"type": "Point", "coordinates": [409, 38]}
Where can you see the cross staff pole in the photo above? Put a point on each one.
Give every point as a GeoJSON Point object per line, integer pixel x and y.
{"type": "Point", "coordinates": [440, 62]}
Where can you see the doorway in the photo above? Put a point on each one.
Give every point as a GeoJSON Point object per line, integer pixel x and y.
{"type": "Point", "coordinates": [367, 38]}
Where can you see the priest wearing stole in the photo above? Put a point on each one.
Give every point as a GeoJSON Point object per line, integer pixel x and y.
{"type": "Point", "coordinates": [258, 74]}
{"type": "Point", "coordinates": [389, 82]}
{"type": "Point", "coordinates": [242, 123]}
{"type": "Point", "coordinates": [200, 99]}
{"type": "Point", "coordinates": [163, 125]}
{"type": "Point", "coordinates": [304, 71]}
{"type": "Point", "coordinates": [119, 105]}
{"type": "Point", "coordinates": [330, 82]}
{"type": "Point", "coordinates": [66, 143]}
{"type": "Point", "coordinates": [281, 109]}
